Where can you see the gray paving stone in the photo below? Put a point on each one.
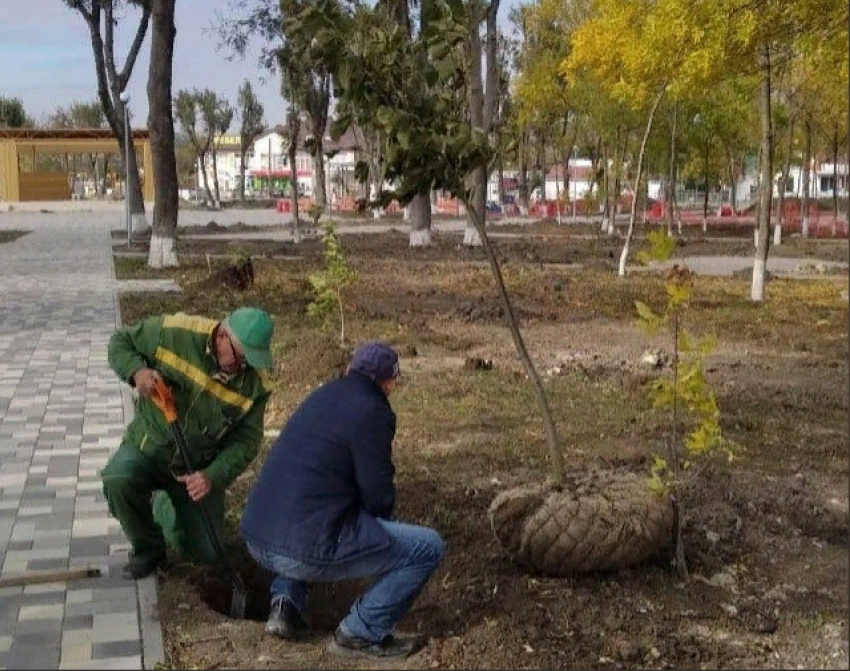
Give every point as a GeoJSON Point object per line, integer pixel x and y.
{"type": "Point", "coordinates": [40, 639]}
{"type": "Point", "coordinates": [77, 622]}
{"type": "Point", "coordinates": [37, 627]}
{"type": "Point", "coordinates": [45, 564]}
{"type": "Point", "coordinates": [19, 545]}
{"type": "Point", "coordinates": [32, 658]}
{"type": "Point", "coordinates": [84, 547]}
{"type": "Point", "coordinates": [17, 600]}
{"type": "Point", "coordinates": [115, 649]}
{"type": "Point", "coordinates": [60, 520]}
{"type": "Point", "coordinates": [102, 607]}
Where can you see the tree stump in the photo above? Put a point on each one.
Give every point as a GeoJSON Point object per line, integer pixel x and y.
{"type": "Point", "coordinates": [599, 521]}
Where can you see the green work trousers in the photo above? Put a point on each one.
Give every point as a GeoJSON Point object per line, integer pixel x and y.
{"type": "Point", "coordinates": [154, 508]}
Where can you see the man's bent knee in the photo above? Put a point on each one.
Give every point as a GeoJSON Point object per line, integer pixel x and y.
{"type": "Point", "coordinates": [120, 488]}
{"type": "Point", "coordinates": [436, 545]}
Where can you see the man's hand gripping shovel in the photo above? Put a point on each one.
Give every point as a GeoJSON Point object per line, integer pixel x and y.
{"type": "Point", "coordinates": [163, 399]}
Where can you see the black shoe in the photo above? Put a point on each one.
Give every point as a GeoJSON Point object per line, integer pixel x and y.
{"type": "Point", "coordinates": [141, 567]}
{"type": "Point", "coordinates": [284, 621]}
{"type": "Point", "coordinates": [392, 646]}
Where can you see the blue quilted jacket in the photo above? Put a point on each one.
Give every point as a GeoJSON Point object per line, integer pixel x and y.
{"type": "Point", "coordinates": [328, 477]}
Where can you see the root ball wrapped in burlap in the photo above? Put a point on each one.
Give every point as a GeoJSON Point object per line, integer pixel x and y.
{"type": "Point", "coordinates": [597, 521]}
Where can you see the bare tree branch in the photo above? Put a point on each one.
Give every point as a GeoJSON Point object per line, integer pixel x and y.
{"type": "Point", "coordinates": [135, 47]}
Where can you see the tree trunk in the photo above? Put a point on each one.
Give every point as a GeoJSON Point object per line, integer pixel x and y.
{"type": "Point", "coordinates": [476, 203]}
{"type": "Point", "coordinates": [105, 174]}
{"type": "Point", "coordinates": [292, 150]}
{"type": "Point", "coordinates": [202, 162]}
{"type": "Point", "coordinates": [807, 184]}
{"type": "Point", "coordinates": [162, 251]}
{"type": "Point", "coordinates": [420, 220]}
{"type": "Point", "coordinates": [835, 181]}
{"type": "Point", "coordinates": [522, 176]}
{"type": "Point", "coordinates": [780, 207]}
{"type": "Point", "coordinates": [733, 180]}
{"type": "Point", "coordinates": [133, 184]}
{"type": "Point", "coordinates": [765, 178]}
{"type": "Point", "coordinates": [606, 203]}
{"type": "Point", "coordinates": [555, 454]}
{"type": "Point", "coordinates": [242, 169]}
{"type": "Point", "coordinates": [501, 174]}
{"type": "Point", "coordinates": [95, 173]}
{"type": "Point", "coordinates": [110, 85]}
{"type": "Point", "coordinates": [214, 153]}
{"type": "Point", "coordinates": [483, 98]}
{"type": "Point", "coordinates": [320, 195]}
{"type": "Point", "coordinates": [541, 161]}
{"type": "Point", "coordinates": [638, 175]}
{"type": "Point", "coordinates": [619, 159]}
{"type": "Point", "coordinates": [671, 174]}
{"type": "Point", "coordinates": [705, 189]}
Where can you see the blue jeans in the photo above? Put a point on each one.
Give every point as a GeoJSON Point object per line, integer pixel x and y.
{"type": "Point", "coordinates": [401, 571]}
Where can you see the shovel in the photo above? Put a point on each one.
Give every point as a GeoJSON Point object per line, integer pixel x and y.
{"type": "Point", "coordinates": [163, 399]}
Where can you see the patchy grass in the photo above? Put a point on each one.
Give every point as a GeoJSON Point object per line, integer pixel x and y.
{"type": "Point", "coordinates": [12, 235]}
{"type": "Point", "coordinates": [136, 268]}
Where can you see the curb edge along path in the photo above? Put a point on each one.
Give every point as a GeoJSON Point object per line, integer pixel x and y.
{"type": "Point", "coordinates": [62, 414]}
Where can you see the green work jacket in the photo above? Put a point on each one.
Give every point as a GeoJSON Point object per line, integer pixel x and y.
{"type": "Point", "coordinates": [221, 415]}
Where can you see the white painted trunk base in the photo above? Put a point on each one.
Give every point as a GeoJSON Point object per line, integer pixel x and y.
{"type": "Point", "coordinates": [621, 271]}
{"type": "Point", "coordinates": [757, 293]}
{"type": "Point", "coordinates": [777, 235]}
{"type": "Point", "coordinates": [805, 227]}
{"type": "Point", "coordinates": [139, 224]}
{"type": "Point", "coordinates": [471, 238]}
{"type": "Point", "coordinates": [162, 252]}
{"type": "Point", "coordinates": [420, 238]}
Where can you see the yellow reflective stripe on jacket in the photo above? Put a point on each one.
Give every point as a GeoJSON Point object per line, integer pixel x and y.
{"type": "Point", "coordinates": [190, 323]}
{"type": "Point", "coordinates": [203, 380]}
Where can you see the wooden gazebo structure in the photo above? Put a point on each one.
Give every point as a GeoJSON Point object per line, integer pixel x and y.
{"type": "Point", "coordinates": [17, 186]}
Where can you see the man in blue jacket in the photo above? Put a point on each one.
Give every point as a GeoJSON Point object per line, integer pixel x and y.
{"type": "Point", "coordinates": [321, 511]}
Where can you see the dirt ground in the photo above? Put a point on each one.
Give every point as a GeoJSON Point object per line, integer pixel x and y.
{"type": "Point", "coordinates": [766, 534]}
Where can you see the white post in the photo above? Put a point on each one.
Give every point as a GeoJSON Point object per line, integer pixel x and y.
{"type": "Point", "coordinates": [125, 98]}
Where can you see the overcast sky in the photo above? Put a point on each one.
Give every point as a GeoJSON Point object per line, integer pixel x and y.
{"type": "Point", "coordinates": [47, 60]}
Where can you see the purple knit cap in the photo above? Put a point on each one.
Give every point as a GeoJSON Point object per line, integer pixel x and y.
{"type": "Point", "coordinates": [376, 360]}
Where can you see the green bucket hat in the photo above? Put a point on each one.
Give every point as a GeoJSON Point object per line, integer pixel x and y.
{"type": "Point", "coordinates": [253, 328]}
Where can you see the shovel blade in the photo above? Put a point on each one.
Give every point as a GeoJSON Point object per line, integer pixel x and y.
{"type": "Point", "coordinates": [238, 601]}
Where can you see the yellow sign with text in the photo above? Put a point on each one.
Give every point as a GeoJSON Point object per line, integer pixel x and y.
{"type": "Point", "coordinates": [228, 141]}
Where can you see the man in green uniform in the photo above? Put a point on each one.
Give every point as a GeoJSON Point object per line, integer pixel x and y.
{"type": "Point", "coordinates": [213, 368]}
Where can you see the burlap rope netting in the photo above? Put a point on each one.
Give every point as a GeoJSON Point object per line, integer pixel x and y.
{"type": "Point", "coordinates": [598, 521]}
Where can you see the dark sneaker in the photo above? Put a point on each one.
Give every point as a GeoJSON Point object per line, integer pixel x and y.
{"type": "Point", "coordinates": [141, 567]}
{"type": "Point", "coordinates": [284, 621]}
{"type": "Point", "coordinates": [344, 645]}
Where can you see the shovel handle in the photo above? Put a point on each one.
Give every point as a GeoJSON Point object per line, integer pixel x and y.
{"type": "Point", "coordinates": [163, 398]}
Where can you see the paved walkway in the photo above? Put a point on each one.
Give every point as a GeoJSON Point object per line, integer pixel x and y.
{"type": "Point", "coordinates": [62, 413]}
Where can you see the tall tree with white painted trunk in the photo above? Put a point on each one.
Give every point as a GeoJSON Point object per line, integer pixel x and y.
{"type": "Point", "coordinates": [162, 252]}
